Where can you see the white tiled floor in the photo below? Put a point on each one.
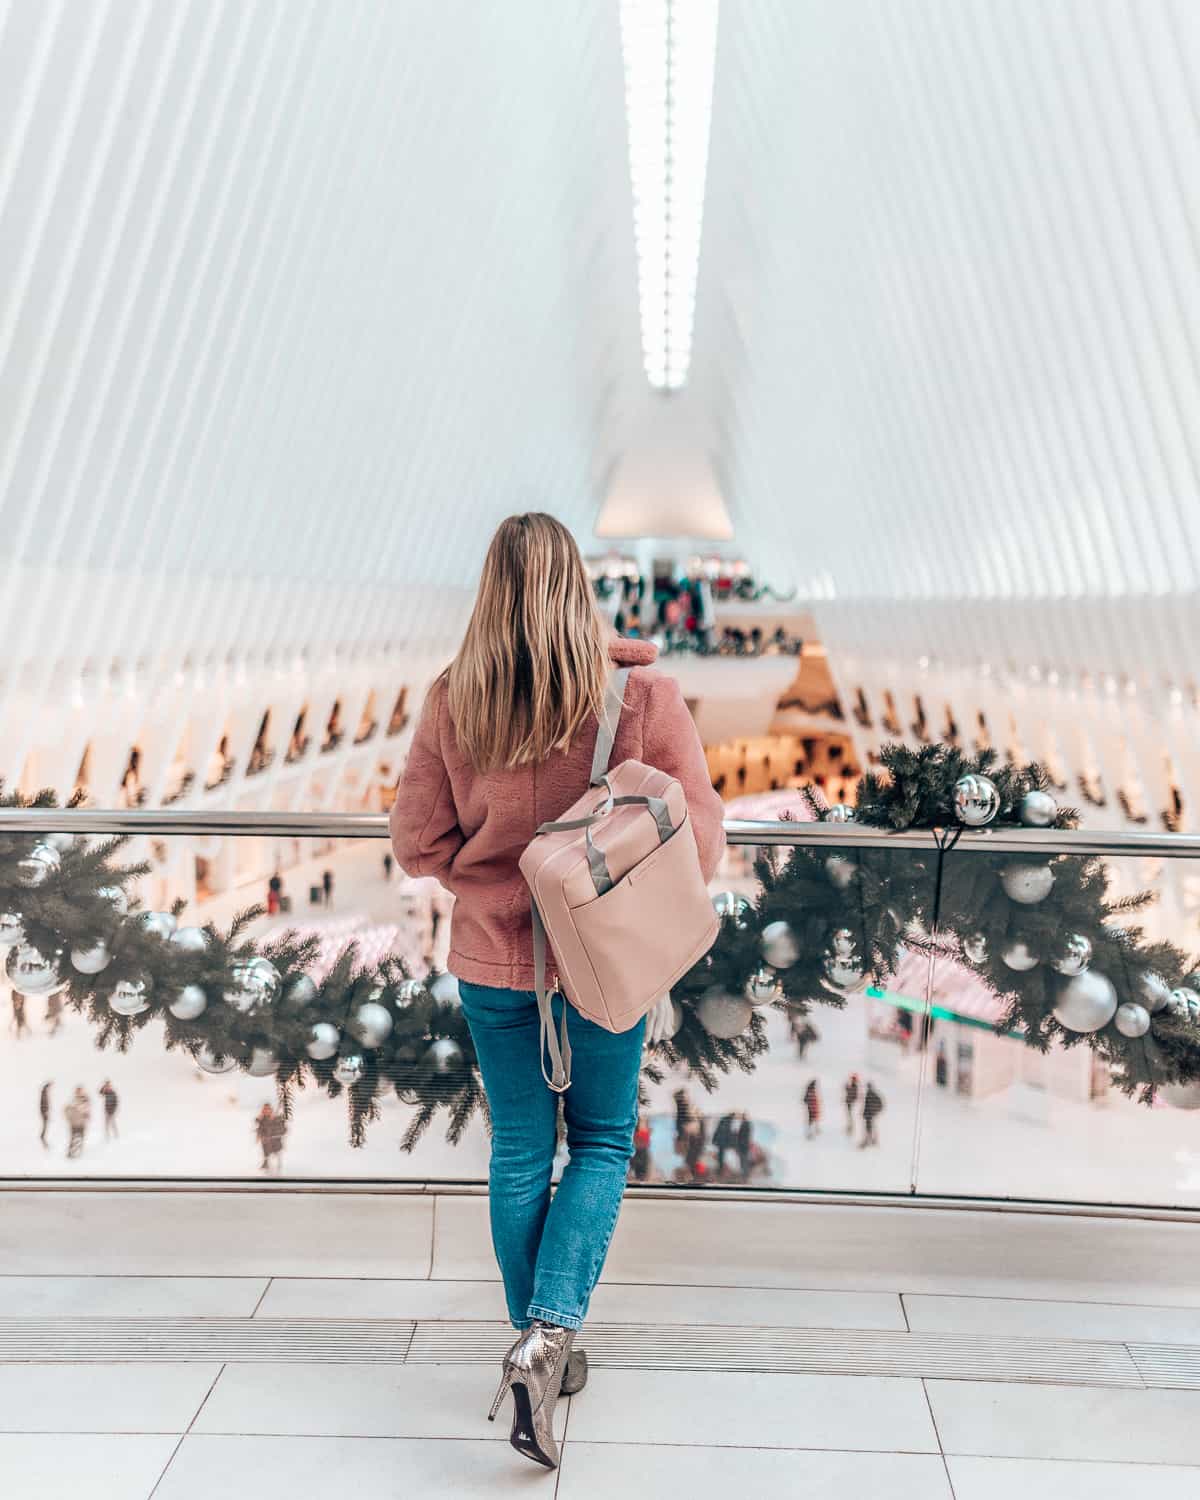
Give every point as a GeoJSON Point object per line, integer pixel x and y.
{"type": "Point", "coordinates": [385, 1430]}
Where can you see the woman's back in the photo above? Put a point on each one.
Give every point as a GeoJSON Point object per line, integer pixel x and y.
{"type": "Point", "coordinates": [470, 827]}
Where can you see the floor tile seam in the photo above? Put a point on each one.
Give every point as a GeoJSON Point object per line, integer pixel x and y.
{"type": "Point", "coordinates": [183, 1435]}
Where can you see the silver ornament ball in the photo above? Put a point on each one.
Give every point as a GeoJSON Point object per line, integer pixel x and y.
{"type": "Point", "coordinates": [444, 990]}
{"type": "Point", "coordinates": [63, 842]}
{"type": "Point", "coordinates": [842, 973]}
{"type": "Point", "coordinates": [762, 987]}
{"type": "Point", "coordinates": [409, 990]}
{"type": "Point", "coordinates": [372, 1024]}
{"type": "Point", "coordinates": [1027, 883]}
{"type": "Point", "coordinates": [736, 908]}
{"type": "Point", "coordinates": [1183, 1004]}
{"type": "Point", "coordinates": [323, 1041]}
{"type": "Point", "coordinates": [1132, 1019]}
{"type": "Point", "coordinates": [30, 971]}
{"type": "Point", "coordinates": [12, 929]}
{"type": "Point", "coordinates": [189, 939]}
{"type": "Point", "coordinates": [160, 924]}
{"type": "Point", "coordinates": [130, 997]}
{"type": "Point", "coordinates": [350, 1068]}
{"type": "Point", "coordinates": [206, 1058]}
{"type": "Point", "coordinates": [840, 870]}
{"type": "Point", "coordinates": [1038, 809]}
{"type": "Point", "coordinates": [1087, 1003]}
{"type": "Point", "coordinates": [842, 942]}
{"type": "Point", "coordinates": [190, 1002]}
{"type": "Point", "coordinates": [263, 1062]}
{"type": "Point", "coordinates": [1075, 957]}
{"type": "Point", "coordinates": [840, 812]}
{"type": "Point", "coordinates": [300, 992]}
{"type": "Point", "coordinates": [1155, 991]}
{"type": "Point", "coordinates": [676, 1017]}
{"type": "Point", "coordinates": [1019, 957]}
{"type": "Point", "coordinates": [255, 983]}
{"type": "Point", "coordinates": [722, 1014]}
{"type": "Point", "coordinates": [38, 866]}
{"type": "Point", "coordinates": [779, 945]}
{"type": "Point", "coordinates": [93, 959]}
{"type": "Point", "coordinates": [975, 948]}
{"type": "Point", "coordinates": [976, 800]}
{"type": "Point", "coordinates": [445, 1054]}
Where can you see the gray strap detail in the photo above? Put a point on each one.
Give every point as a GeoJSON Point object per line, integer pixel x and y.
{"type": "Point", "coordinates": [559, 1076]}
{"type": "Point", "coordinates": [614, 697]}
{"type": "Point", "coordinates": [658, 810]}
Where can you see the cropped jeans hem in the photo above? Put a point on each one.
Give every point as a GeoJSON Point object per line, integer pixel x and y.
{"type": "Point", "coordinates": [548, 1315]}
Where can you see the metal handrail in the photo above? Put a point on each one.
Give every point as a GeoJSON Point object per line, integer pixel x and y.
{"type": "Point", "coordinates": [144, 821]}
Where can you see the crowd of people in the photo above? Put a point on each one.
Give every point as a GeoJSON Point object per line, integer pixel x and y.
{"type": "Point", "coordinates": [77, 1114]}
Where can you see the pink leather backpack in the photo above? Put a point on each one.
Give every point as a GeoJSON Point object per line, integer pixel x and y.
{"type": "Point", "coordinates": [617, 889]}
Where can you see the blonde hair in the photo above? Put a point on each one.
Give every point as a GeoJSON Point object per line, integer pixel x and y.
{"type": "Point", "coordinates": [533, 666]}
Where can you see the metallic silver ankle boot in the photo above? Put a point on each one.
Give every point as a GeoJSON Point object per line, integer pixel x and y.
{"type": "Point", "coordinates": [533, 1371]}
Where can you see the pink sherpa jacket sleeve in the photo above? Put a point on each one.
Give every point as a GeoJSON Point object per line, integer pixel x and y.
{"type": "Point", "coordinates": [424, 820]}
{"type": "Point", "coordinates": [670, 743]}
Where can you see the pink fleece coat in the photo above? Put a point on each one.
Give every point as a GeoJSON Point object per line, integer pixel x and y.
{"type": "Point", "coordinates": [469, 829]}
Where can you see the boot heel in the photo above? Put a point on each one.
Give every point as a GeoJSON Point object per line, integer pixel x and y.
{"type": "Point", "coordinates": [505, 1384]}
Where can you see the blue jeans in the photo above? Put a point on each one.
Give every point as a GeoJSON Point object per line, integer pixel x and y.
{"type": "Point", "coordinates": [551, 1251]}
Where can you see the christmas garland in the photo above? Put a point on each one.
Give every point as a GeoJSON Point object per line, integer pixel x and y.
{"type": "Point", "coordinates": [1039, 930]}
{"type": "Point", "coordinates": [68, 926]}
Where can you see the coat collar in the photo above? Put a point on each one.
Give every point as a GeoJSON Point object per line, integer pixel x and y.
{"type": "Point", "coordinates": [627, 653]}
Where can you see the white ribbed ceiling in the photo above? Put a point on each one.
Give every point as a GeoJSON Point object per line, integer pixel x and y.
{"type": "Point", "coordinates": [298, 297]}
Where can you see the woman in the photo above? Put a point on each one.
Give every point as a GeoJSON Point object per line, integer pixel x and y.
{"type": "Point", "coordinates": [505, 743]}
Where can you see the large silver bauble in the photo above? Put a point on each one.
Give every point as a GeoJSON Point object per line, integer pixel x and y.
{"type": "Point", "coordinates": [189, 939]}
{"type": "Point", "coordinates": [255, 983]}
{"type": "Point", "coordinates": [263, 1062]}
{"type": "Point", "coordinates": [779, 945]}
{"type": "Point", "coordinates": [1038, 809]}
{"type": "Point", "coordinates": [722, 1014]}
{"type": "Point", "coordinates": [1132, 1019]}
{"type": "Point", "coordinates": [676, 1018]}
{"type": "Point", "coordinates": [130, 997]}
{"type": "Point", "coordinates": [736, 908]}
{"type": "Point", "coordinates": [976, 800]}
{"type": "Point", "coordinates": [409, 990]}
{"type": "Point", "coordinates": [1075, 957]}
{"type": "Point", "coordinates": [300, 992]}
{"type": "Point", "coordinates": [161, 924]}
{"type": "Point", "coordinates": [444, 990]}
{"type": "Point", "coordinates": [975, 948]}
{"type": "Point", "coordinates": [1087, 1002]}
{"type": "Point", "coordinates": [12, 929]}
{"type": "Point", "coordinates": [115, 897]}
{"type": "Point", "coordinates": [206, 1058]}
{"type": "Point", "coordinates": [30, 971]}
{"type": "Point", "coordinates": [63, 842]}
{"type": "Point", "coordinates": [372, 1024]}
{"type": "Point", "coordinates": [323, 1040]}
{"type": "Point", "coordinates": [842, 943]}
{"type": "Point", "coordinates": [1154, 990]}
{"type": "Point", "coordinates": [762, 987]}
{"type": "Point", "coordinates": [1018, 956]}
{"type": "Point", "coordinates": [445, 1054]}
{"type": "Point", "coordinates": [840, 870]}
{"type": "Point", "coordinates": [843, 973]}
{"type": "Point", "coordinates": [1027, 883]}
{"type": "Point", "coordinates": [1181, 1095]}
{"type": "Point", "coordinates": [41, 863]}
{"type": "Point", "coordinates": [350, 1068]}
{"type": "Point", "coordinates": [840, 812]}
{"type": "Point", "coordinates": [190, 1002]}
{"type": "Point", "coordinates": [93, 959]}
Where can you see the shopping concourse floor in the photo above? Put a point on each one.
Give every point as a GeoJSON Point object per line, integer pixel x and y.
{"type": "Point", "coordinates": [287, 1344]}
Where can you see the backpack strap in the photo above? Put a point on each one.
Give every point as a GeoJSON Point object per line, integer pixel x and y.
{"type": "Point", "coordinates": [559, 1046]}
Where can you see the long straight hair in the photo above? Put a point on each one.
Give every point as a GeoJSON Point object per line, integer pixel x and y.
{"type": "Point", "coordinates": [532, 668]}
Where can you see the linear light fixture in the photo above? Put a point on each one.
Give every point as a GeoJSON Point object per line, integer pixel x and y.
{"type": "Point", "coordinates": [669, 47]}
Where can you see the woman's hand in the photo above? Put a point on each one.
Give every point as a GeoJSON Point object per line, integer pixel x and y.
{"type": "Point", "coordinates": [660, 1021]}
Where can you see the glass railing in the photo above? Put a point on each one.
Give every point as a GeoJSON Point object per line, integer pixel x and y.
{"type": "Point", "coordinates": [316, 1040]}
